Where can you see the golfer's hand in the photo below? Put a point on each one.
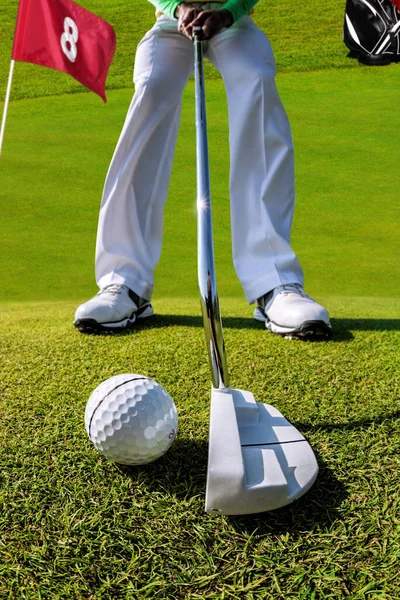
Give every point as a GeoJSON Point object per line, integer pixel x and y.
{"type": "Point", "coordinates": [186, 14]}
{"type": "Point", "coordinates": [211, 21]}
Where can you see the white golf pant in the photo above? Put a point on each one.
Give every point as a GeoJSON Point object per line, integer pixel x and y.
{"type": "Point", "coordinates": [261, 161]}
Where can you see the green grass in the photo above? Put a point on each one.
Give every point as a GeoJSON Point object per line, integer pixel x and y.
{"type": "Point", "coordinates": [76, 526]}
{"type": "Point", "coordinates": [345, 228]}
{"type": "Point", "coordinates": [304, 37]}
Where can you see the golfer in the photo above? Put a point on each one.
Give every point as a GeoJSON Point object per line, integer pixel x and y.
{"type": "Point", "coordinates": [262, 191]}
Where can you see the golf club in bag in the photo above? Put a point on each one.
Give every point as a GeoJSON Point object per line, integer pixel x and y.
{"type": "Point", "coordinates": [371, 31]}
{"type": "Point", "coordinates": [257, 460]}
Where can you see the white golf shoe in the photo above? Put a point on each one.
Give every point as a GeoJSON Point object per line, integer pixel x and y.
{"type": "Point", "coordinates": [114, 307]}
{"type": "Point", "coordinates": [288, 311]}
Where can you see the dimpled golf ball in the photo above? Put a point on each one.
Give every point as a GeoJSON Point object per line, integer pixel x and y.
{"type": "Point", "coordinates": [131, 419]}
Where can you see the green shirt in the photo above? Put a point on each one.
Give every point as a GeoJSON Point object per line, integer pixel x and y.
{"type": "Point", "coordinates": [238, 8]}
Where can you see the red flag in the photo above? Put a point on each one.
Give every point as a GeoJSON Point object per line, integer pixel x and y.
{"type": "Point", "coordinates": [62, 35]}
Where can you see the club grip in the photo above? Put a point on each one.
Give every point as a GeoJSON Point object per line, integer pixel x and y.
{"type": "Point", "coordinates": [197, 33]}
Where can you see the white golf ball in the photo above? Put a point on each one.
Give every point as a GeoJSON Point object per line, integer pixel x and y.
{"type": "Point", "coordinates": [131, 419]}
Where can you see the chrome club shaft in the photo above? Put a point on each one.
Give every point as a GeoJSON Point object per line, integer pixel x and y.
{"type": "Point", "coordinates": [205, 245]}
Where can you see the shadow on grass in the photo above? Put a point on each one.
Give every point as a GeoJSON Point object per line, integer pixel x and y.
{"type": "Point", "coordinates": [366, 324]}
{"type": "Point", "coordinates": [351, 426]}
{"type": "Point", "coordinates": [161, 321]}
{"type": "Point", "coordinates": [342, 328]}
{"type": "Point", "coordinates": [318, 508]}
{"type": "Point", "coordinates": [183, 470]}
{"type": "Point", "coordinates": [183, 473]}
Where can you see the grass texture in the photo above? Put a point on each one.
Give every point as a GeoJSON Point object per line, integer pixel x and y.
{"type": "Point", "coordinates": [57, 151]}
{"type": "Point", "coordinates": [304, 36]}
{"type": "Point", "coordinates": [76, 526]}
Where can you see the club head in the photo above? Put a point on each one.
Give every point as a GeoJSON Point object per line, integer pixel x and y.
{"type": "Point", "coordinates": [257, 460]}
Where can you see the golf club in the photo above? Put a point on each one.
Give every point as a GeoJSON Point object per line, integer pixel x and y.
{"type": "Point", "coordinates": [257, 460]}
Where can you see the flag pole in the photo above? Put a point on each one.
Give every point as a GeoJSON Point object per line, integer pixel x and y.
{"type": "Point", "coordinates": [6, 101]}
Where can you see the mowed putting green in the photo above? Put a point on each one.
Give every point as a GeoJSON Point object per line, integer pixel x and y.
{"type": "Point", "coordinates": [57, 151]}
{"type": "Point", "coordinates": [76, 526]}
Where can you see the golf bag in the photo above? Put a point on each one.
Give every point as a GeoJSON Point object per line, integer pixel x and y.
{"type": "Point", "coordinates": [371, 31]}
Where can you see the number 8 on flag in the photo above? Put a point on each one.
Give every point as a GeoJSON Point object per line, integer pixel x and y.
{"type": "Point", "coordinates": [62, 35]}
{"type": "Point", "coordinates": [69, 39]}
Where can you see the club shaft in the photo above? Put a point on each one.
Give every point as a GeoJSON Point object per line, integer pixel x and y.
{"type": "Point", "coordinates": [205, 245]}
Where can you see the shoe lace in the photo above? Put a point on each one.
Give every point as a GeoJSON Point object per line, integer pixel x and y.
{"type": "Point", "coordinates": [286, 288]}
{"type": "Point", "coordinates": [112, 288]}
{"type": "Point", "coordinates": [291, 288]}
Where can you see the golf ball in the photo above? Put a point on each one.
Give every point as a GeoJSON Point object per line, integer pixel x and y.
{"type": "Point", "coordinates": [131, 419]}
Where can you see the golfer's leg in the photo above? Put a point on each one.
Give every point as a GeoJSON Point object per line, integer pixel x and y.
{"type": "Point", "coordinates": [131, 215]}
{"type": "Point", "coordinates": [262, 169]}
